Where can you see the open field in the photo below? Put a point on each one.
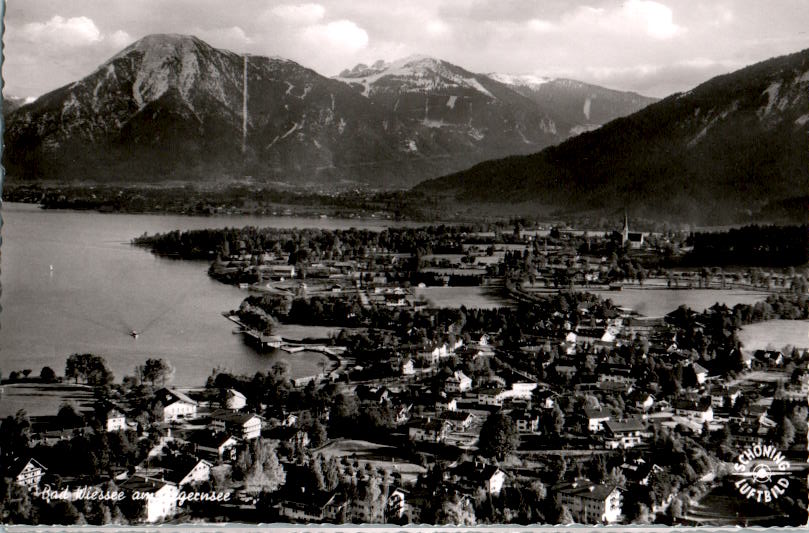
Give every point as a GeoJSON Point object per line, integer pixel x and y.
{"type": "Point", "coordinates": [471, 297]}
{"type": "Point", "coordinates": [655, 302]}
{"type": "Point", "coordinates": [775, 334]}
{"type": "Point", "coordinates": [42, 399]}
{"type": "Point", "coordinates": [378, 455]}
{"type": "Point", "coordinates": [300, 332]}
{"type": "Point", "coordinates": [724, 506]}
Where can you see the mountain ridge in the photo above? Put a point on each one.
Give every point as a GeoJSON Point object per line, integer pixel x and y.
{"type": "Point", "coordinates": [722, 151]}
{"type": "Point", "coordinates": [169, 107]}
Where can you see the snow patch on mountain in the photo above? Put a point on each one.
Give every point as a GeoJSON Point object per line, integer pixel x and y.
{"type": "Point", "coordinates": [451, 102]}
{"type": "Point", "coordinates": [525, 80]}
{"type": "Point", "coordinates": [586, 109]}
{"type": "Point", "coordinates": [583, 128]}
{"type": "Point", "coordinates": [417, 74]}
{"type": "Point", "coordinates": [772, 98]}
{"type": "Point", "coordinates": [475, 84]}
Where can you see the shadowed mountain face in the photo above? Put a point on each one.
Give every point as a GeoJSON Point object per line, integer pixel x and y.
{"type": "Point", "coordinates": [724, 151]}
{"type": "Point", "coordinates": [170, 107]}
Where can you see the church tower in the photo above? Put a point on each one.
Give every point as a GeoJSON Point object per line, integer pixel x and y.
{"type": "Point", "coordinates": [625, 231]}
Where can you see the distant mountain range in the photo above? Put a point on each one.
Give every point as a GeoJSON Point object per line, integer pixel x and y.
{"type": "Point", "coordinates": [170, 107]}
{"type": "Point", "coordinates": [735, 148]}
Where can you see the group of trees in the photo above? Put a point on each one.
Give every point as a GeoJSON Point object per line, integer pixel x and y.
{"type": "Point", "coordinates": [91, 369]}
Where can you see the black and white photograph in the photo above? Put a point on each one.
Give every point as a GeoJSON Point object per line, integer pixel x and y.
{"type": "Point", "coordinates": [432, 262]}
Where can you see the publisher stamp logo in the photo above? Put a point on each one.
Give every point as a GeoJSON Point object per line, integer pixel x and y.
{"type": "Point", "coordinates": [762, 471]}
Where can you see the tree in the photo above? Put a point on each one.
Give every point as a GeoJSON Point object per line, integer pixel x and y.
{"type": "Point", "coordinates": [265, 474]}
{"type": "Point", "coordinates": [156, 371]}
{"type": "Point", "coordinates": [785, 433]}
{"type": "Point", "coordinates": [47, 374]}
{"type": "Point", "coordinates": [498, 436]}
{"type": "Point", "coordinates": [456, 511]}
{"type": "Point", "coordinates": [317, 434]}
{"type": "Point", "coordinates": [69, 416]}
{"type": "Point", "coordinates": [90, 368]}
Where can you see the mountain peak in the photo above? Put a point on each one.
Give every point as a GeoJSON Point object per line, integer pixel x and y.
{"type": "Point", "coordinates": [156, 41]}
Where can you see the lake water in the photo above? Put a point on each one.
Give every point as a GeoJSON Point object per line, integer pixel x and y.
{"type": "Point", "coordinates": [100, 288]}
{"type": "Point", "coordinates": [775, 334]}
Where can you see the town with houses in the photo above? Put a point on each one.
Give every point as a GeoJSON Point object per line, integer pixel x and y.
{"type": "Point", "coordinates": [552, 405]}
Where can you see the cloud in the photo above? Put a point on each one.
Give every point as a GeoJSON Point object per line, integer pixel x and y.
{"type": "Point", "coordinates": [233, 38]}
{"type": "Point", "coordinates": [75, 31]}
{"type": "Point", "coordinates": [299, 13]}
{"type": "Point", "coordinates": [342, 34]}
{"type": "Point", "coordinates": [541, 26]}
{"type": "Point", "coordinates": [658, 19]}
{"type": "Point", "coordinates": [120, 38]}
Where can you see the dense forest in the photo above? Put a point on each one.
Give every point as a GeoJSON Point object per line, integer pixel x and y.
{"type": "Point", "coordinates": [774, 246]}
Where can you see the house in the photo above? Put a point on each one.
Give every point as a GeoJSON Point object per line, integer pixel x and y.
{"type": "Point", "coordinates": [491, 396]}
{"type": "Point", "coordinates": [625, 434]}
{"type": "Point", "coordinates": [408, 368]}
{"type": "Point", "coordinates": [199, 472]}
{"type": "Point", "coordinates": [526, 421]}
{"type": "Point", "coordinates": [544, 399]}
{"type": "Point", "coordinates": [697, 411]}
{"type": "Point", "coordinates": [428, 430]}
{"type": "Point", "coordinates": [596, 419]}
{"type": "Point", "coordinates": [235, 400]}
{"type": "Point", "coordinates": [458, 382]}
{"type": "Point", "coordinates": [312, 505]}
{"type": "Point", "coordinates": [701, 372]}
{"type": "Point", "coordinates": [567, 371]}
{"type": "Point", "coordinates": [161, 496]}
{"type": "Point", "coordinates": [471, 475]}
{"type": "Point", "coordinates": [767, 358]}
{"type": "Point", "coordinates": [639, 470]}
{"type": "Point", "coordinates": [246, 426]}
{"type": "Point", "coordinates": [401, 414]}
{"type": "Point", "coordinates": [176, 405]}
{"type": "Point", "coordinates": [615, 374]}
{"type": "Point", "coordinates": [114, 420]}
{"type": "Point", "coordinates": [589, 503]}
{"type": "Point", "coordinates": [644, 401]}
{"type": "Point", "coordinates": [27, 473]}
{"type": "Point", "coordinates": [281, 272]}
{"type": "Point", "coordinates": [719, 393]}
{"type": "Point", "coordinates": [396, 504]}
{"type": "Point", "coordinates": [292, 436]}
{"type": "Point", "coordinates": [446, 404]}
{"type": "Point", "coordinates": [220, 445]}
{"type": "Point", "coordinates": [458, 420]}
{"type": "Point", "coordinates": [434, 352]}
{"type": "Point", "coordinates": [374, 395]}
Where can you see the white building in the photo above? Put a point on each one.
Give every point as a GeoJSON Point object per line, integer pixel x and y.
{"type": "Point", "coordinates": [246, 426]}
{"type": "Point", "coordinates": [235, 400]}
{"type": "Point", "coordinates": [161, 496]}
{"type": "Point", "coordinates": [115, 421]}
{"type": "Point", "coordinates": [596, 419]}
{"type": "Point", "coordinates": [176, 405]}
{"type": "Point", "coordinates": [199, 472]}
{"type": "Point", "coordinates": [458, 382]}
{"type": "Point", "coordinates": [28, 473]}
{"type": "Point", "coordinates": [589, 503]}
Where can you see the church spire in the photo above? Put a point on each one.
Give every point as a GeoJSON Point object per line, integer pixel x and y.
{"type": "Point", "coordinates": [625, 231]}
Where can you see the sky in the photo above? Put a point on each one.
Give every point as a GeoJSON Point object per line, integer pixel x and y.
{"type": "Point", "coordinates": [652, 47]}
